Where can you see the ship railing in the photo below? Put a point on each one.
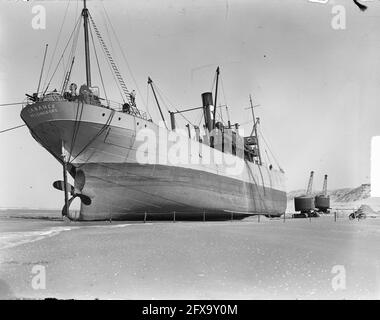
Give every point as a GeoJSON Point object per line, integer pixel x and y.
{"type": "Point", "coordinates": [119, 107]}
{"type": "Point", "coordinates": [43, 96]}
{"type": "Point", "coordinates": [105, 103]}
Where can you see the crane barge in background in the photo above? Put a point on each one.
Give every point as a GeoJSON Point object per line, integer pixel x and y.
{"type": "Point", "coordinates": [305, 204]}
{"type": "Point", "coordinates": [322, 201]}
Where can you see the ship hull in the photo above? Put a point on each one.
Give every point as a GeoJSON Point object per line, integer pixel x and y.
{"type": "Point", "coordinates": [127, 181]}
{"type": "Point", "coordinates": [129, 190]}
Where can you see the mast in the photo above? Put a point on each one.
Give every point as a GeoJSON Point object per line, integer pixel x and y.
{"type": "Point", "coordinates": [216, 96]}
{"type": "Point", "coordinates": [86, 44]}
{"type": "Point", "coordinates": [67, 77]}
{"type": "Point", "coordinates": [42, 69]}
{"type": "Point", "coordinates": [255, 128]}
{"type": "Point", "coordinates": [150, 82]}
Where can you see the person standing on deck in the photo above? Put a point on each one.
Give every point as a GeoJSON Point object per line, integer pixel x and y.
{"type": "Point", "coordinates": [133, 97]}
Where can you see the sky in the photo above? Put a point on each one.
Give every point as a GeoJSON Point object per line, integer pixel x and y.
{"type": "Point", "coordinates": [317, 86]}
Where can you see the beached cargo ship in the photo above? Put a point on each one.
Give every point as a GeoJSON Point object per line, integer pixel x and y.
{"type": "Point", "coordinates": [126, 166]}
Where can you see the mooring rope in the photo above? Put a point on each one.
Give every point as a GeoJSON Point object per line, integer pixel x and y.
{"type": "Point", "coordinates": [9, 129]}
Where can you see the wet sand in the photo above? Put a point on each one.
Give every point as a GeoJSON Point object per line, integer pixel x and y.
{"type": "Point", "coordinates": [192, 260]}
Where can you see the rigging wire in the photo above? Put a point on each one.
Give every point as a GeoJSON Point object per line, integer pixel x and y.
{"type": "Point", "coordinates": [64, 50]}
{"type": "Point", "coordinates": [76, 128]}
{"type": "Point", "coordinates": [64, 72]}
{"type": "Point", "coordinates": [107, 30]}
{"type": "Point", "coordinates": [76, 9]}
{"type": "Point", "coordinates": [162, 95]}
{"type": "Point", "coordinates": [213, 82]}
{"type": "Point", "coordinates": [224, 93]}
{"type": "Point", "coordinates": [111, 65]}
{"type": "Point", "coordinates": [56, 44]}
{"type": "Point", "coordinates": [200, 119]}
{"type": "Point", "coordinates": [67, 70]}
{"type": "Point", "coordinates": [9, 129]}
{"type": "Point", "coordinates": [147, 100]}
{"type": "Point", "coordinates": [246, 122]}
{"type": "Point", "coordinates": [163, 101]}
{"type": "Point", "coordinates": [220, 111]}
{"type": "Point", "coordinates": [267, 156]}
{"type": "Point", "coordinates": [199, 123]}
{"type": "Point", "coordinates": [180, 113]}
{"type": "Point", "coordinates": [74, 47]}
{"type": "Point", "coordinates": [122, 53]}
{"type": "Point", "coordinates": [225, 100]}
{"type": "Point", "coordinates": [266, 143]}
{"type": "Point", "coordinates": [97, 62]}
{"type": "Point", "coordinates": [11, 104]}
{"type": "Point", "coordinates": [98, 134]}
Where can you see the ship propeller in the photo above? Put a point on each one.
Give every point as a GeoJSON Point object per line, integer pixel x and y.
{"type": "Point", "coordinates": [75, 191]}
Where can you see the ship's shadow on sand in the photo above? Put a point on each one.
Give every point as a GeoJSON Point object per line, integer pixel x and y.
{"type": "Point", "coordinates": [149, 217]}
{"type": "Point", "coordinates": [38, 218]}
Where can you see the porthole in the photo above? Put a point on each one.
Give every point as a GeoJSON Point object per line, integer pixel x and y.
{"type": "Point", "coordinates": [119, 118]}
{"type": "Point", "coordinates": [103, 114]}
{"type": "Point", "coordinates": [137, 123]}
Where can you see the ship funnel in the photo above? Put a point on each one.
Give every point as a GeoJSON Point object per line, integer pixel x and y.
{"type": "Point", "coordinates": [207, 99]}
{"type": "Point", "coordinates": [206, 103]}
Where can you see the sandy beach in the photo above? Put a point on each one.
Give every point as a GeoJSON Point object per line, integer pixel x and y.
{"type": "Point", "coordinates": [270, 259]}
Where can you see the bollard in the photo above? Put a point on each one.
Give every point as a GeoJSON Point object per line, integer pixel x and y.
{"type": "Point", "coordinates": [174, 217]}
{"type": "Point", "coordinates": [335, 216]}
{"type": "Point", "coordinates": [145, 217]}
{"type": "Point", "coordinates": [204, 215]}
